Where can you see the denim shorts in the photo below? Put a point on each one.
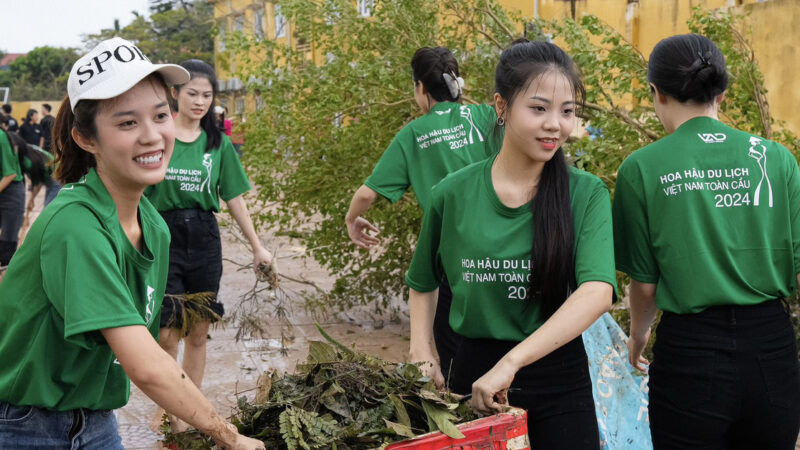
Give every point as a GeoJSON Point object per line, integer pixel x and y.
{"type": "Point", "coordinates": [32, 427]}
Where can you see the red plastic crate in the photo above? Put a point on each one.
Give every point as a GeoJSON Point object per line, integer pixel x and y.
{"type": "Point", "coordinates": [507, 431]}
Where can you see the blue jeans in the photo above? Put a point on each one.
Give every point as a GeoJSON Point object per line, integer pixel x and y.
{"type": "Point", "coordinates": [26, 427]}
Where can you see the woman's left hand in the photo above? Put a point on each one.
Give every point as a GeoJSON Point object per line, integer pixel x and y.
{"type": "Point", "coordinates": [494, 383]}
{"type": "Point", "coordinates": [261, 256]}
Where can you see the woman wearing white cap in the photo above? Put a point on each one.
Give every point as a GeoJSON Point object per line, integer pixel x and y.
{"type": "Point", "coordinates": [79, 305]}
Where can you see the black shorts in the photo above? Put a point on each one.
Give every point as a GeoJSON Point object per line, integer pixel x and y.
{"type": "Point", "coordinates": [195, 263]}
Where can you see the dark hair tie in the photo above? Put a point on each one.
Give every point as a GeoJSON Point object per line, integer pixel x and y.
{"type": "Point", "coordinates": [705, 58]}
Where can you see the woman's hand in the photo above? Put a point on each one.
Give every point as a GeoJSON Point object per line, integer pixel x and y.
{"type": "Point", "coordinates": [232, 440]}
{"type": "Point", "coordinates": [430, 368]}
{"type": "Point", "coordinates": [357, 230]}
{"type": "Point", "coordinates": [494, 383]}
{"type": "Point", "coordinates": [261, 257]}
{"type": "Point", "coordinates": [636, 346]}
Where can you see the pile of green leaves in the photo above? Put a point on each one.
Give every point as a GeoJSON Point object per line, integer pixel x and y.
{"type": "Point", "coordinates": [342, 399]}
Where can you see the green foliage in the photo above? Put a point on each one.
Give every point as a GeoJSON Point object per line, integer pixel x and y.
{"type": "Point", "coordinates": [343, 399]}
{"type": "Point", "coordinates": [41, 74]}
{"type": "Point", "coordinates": [176, 30]}
{"type": "Point", "coordinates": [323, 128]}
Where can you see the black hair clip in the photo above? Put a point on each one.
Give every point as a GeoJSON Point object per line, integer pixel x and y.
{"type": "Point", "coordinates": [705, 58]}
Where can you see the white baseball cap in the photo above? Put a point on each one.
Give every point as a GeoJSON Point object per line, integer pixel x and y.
{"type": "Point", "coordinates": [113, 67]}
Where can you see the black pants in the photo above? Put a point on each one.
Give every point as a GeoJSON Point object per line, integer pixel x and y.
{"type": "Point", "coordinates": [195, 261]}
{"type": "Point", "coordinates": [556, 391]}
{"type": "Point", "coordinates": [12, 212]}
{"type": "Point", "coordinates": [725, 378]}
{"type": "Point", "coordinates": [445, 338]}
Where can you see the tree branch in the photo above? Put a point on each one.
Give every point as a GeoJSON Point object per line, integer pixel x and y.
{"type": "Point", "coordinates": [625, 117]}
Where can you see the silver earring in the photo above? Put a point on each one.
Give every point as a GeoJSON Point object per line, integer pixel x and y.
{"type": "Point", "coordinates": [501, 121]}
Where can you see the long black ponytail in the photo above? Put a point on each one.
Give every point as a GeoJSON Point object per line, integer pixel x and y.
{"type": "Point", "coordinates": [552, 267]}
{"type": "Point", "coordinates": [36, 172]}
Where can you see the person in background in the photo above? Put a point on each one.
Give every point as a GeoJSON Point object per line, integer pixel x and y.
{"type": "Point", "coordinates": [47, 126]}
{"type": "Point", "coordinates": [30, 130]}
{"type": "Point", "coordinates": [13, 125]}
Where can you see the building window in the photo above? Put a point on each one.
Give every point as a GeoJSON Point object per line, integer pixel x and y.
{"type": "Point", "coordinates": [280, 23]}
{"type": "Point", "coordinates": [238, 23]}
{"type": "Point", "coordinates": [258, 23]}
{"type": "Point", "coordinates": [365, 7]}
{"type": "Point", "coordinates": [221, 36]}
{"type": "Point", "coordinates": [240, 104]}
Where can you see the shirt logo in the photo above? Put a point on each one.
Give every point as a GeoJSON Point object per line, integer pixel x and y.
{"type": "Point", "coordinates": [758, 152]}
{"type": "Point", "coordinates": [466, 113]}
{"type": "Point", "coordinates": [208, 163]}
{"type": "Point", "coordinates": [441, 113]}
{"type": "Point", "coordinates": [712, 138]}
{"type": "Point", "coordinates": [150, 306]}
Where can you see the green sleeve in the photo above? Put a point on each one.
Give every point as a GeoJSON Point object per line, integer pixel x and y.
{"type": "Point", "coordinates": [793, 184]}
{"type": "Point", "coordinates": [425, 273]}
{"type": "Point", "coordinates": [632, 245]}
{"type": "Point", "coordinates": [390, 176]}
{"type": "Point", "coordinates": [9, 164]}
{"type": "Point", "coordinates": [82, 278]}
{"type": "Point", "coordinates": [233, 181]}
{"type": "Point", "coordinates": [594, 243]}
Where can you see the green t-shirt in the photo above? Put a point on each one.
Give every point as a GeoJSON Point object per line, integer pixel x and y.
{"type": "Point", "coordinates": [484, 249]}
{"type": "Point", "coordinates": [48, 167]}
{"type": "Point", "coordinates": [712, 215]}
{"type": "Point", "coordinates": [9, 161]}
{"type": "Point", "coordinates": [75, 274]}
{"type": "Point", "coordinates": [196, 179]}
{"type": "Point", "coordinates": [448, 138]}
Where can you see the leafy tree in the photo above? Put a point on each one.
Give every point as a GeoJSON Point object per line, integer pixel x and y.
{"type": "Point", "coordinates": [41, 74]}
{"type": "Point", "coordinates": [175, 31]}
{"type": "Point", "coordinates": [323, 128]}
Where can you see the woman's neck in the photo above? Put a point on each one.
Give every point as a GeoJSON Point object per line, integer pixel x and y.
{"type": "Point", "coordinates": [515, 176]}
{"type": "Point", "coordinates": [187, 129]}
{"type": "Point", "coordinates": [127, 201]}
{"type": "Point", "coordinates": [684, 113]}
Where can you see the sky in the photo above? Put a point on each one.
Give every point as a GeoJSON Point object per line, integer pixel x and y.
{"type": "Point", "coordinates": [27, 24]}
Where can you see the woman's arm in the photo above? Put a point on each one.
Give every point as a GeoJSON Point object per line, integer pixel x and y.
{"type": "Point", "coordinates": [160, 378]}
{"type": "Point", "coordinates": [643, 311]}
{"type": "Point", "coordinates": [357, 226]}
{"type": "Point", "coordinates": [591, 300]}
{"type": "Point", "coordinates": [238, 207]}
{"type": "Point", "coordinates": [422, 309]}
{"type": "Point", "coordinates": [6, 180]}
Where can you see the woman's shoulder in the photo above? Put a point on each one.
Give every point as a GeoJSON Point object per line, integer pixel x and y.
{"type": "Point", "coordinates": [582, 178]}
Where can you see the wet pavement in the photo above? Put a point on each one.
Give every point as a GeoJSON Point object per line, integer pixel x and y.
{"type": "Point", "coordinates": [232, 367]}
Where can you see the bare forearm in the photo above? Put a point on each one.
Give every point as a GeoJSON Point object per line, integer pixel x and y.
{"type": "Point", "coordinates": [579, 312]}
{"type": "Point", "coordinates": [422, 309]}
{"type": "Point", "coordinates": [361, 202]}
{"type": "Point", "coordinates": [241, 215]}
{"type": "Point", "coordinates": [643, 308]}
{"type": "Point", "coordinates": [5, 181]}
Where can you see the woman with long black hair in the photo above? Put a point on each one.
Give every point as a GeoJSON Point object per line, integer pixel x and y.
{"type": "Point", "coordinates": [203, 169]}
{"type": "Point", "coordinates": [12, 193]}
{"type": "Point", "coordinates": [525, 241]}
{"type": "Point", "coordinates": [707, 224]}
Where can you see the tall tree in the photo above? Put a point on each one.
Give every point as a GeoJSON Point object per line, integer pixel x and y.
{"type": "Point", "coordinates": [41, 74]}
{"type": "Point", "coordinates": [175, 31]}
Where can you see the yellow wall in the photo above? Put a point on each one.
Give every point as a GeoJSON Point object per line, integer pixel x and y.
{"type": "Point", "coordinates": [643, 23]}
{"type": "Point", "coordinates": [19, 109]}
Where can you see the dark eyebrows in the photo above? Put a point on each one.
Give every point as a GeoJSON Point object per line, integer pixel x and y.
{"type": "Point", "coordinates": [544, 100]}
{"type": "Point", "coordinates": [133, 113]}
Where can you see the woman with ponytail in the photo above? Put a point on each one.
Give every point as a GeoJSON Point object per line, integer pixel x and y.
{"type": "Point", "coordinates": [707, 225]}
{"type": "Point", "coordinates": [203, 169]}
{"type": "Point", "coordinates": [80, 302]}
{"type": "Point", "coordinates": [525, 241]}
{"type": "Point", "coordinates": [448, 137]}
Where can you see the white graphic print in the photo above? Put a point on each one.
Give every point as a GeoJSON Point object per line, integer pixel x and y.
{"type": "Point", "coordinates": [208, 164]}
{"type": "Point", "coordinates": [712, 138]}
{"type": "Point", "coordinates": [441, 113]}
{"type": "Point", "coordinates": [467, 114]}
{"type": "Point", "coordinates": [759, 152]}
{"type": "Point", "coordinates": [150, 306]}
